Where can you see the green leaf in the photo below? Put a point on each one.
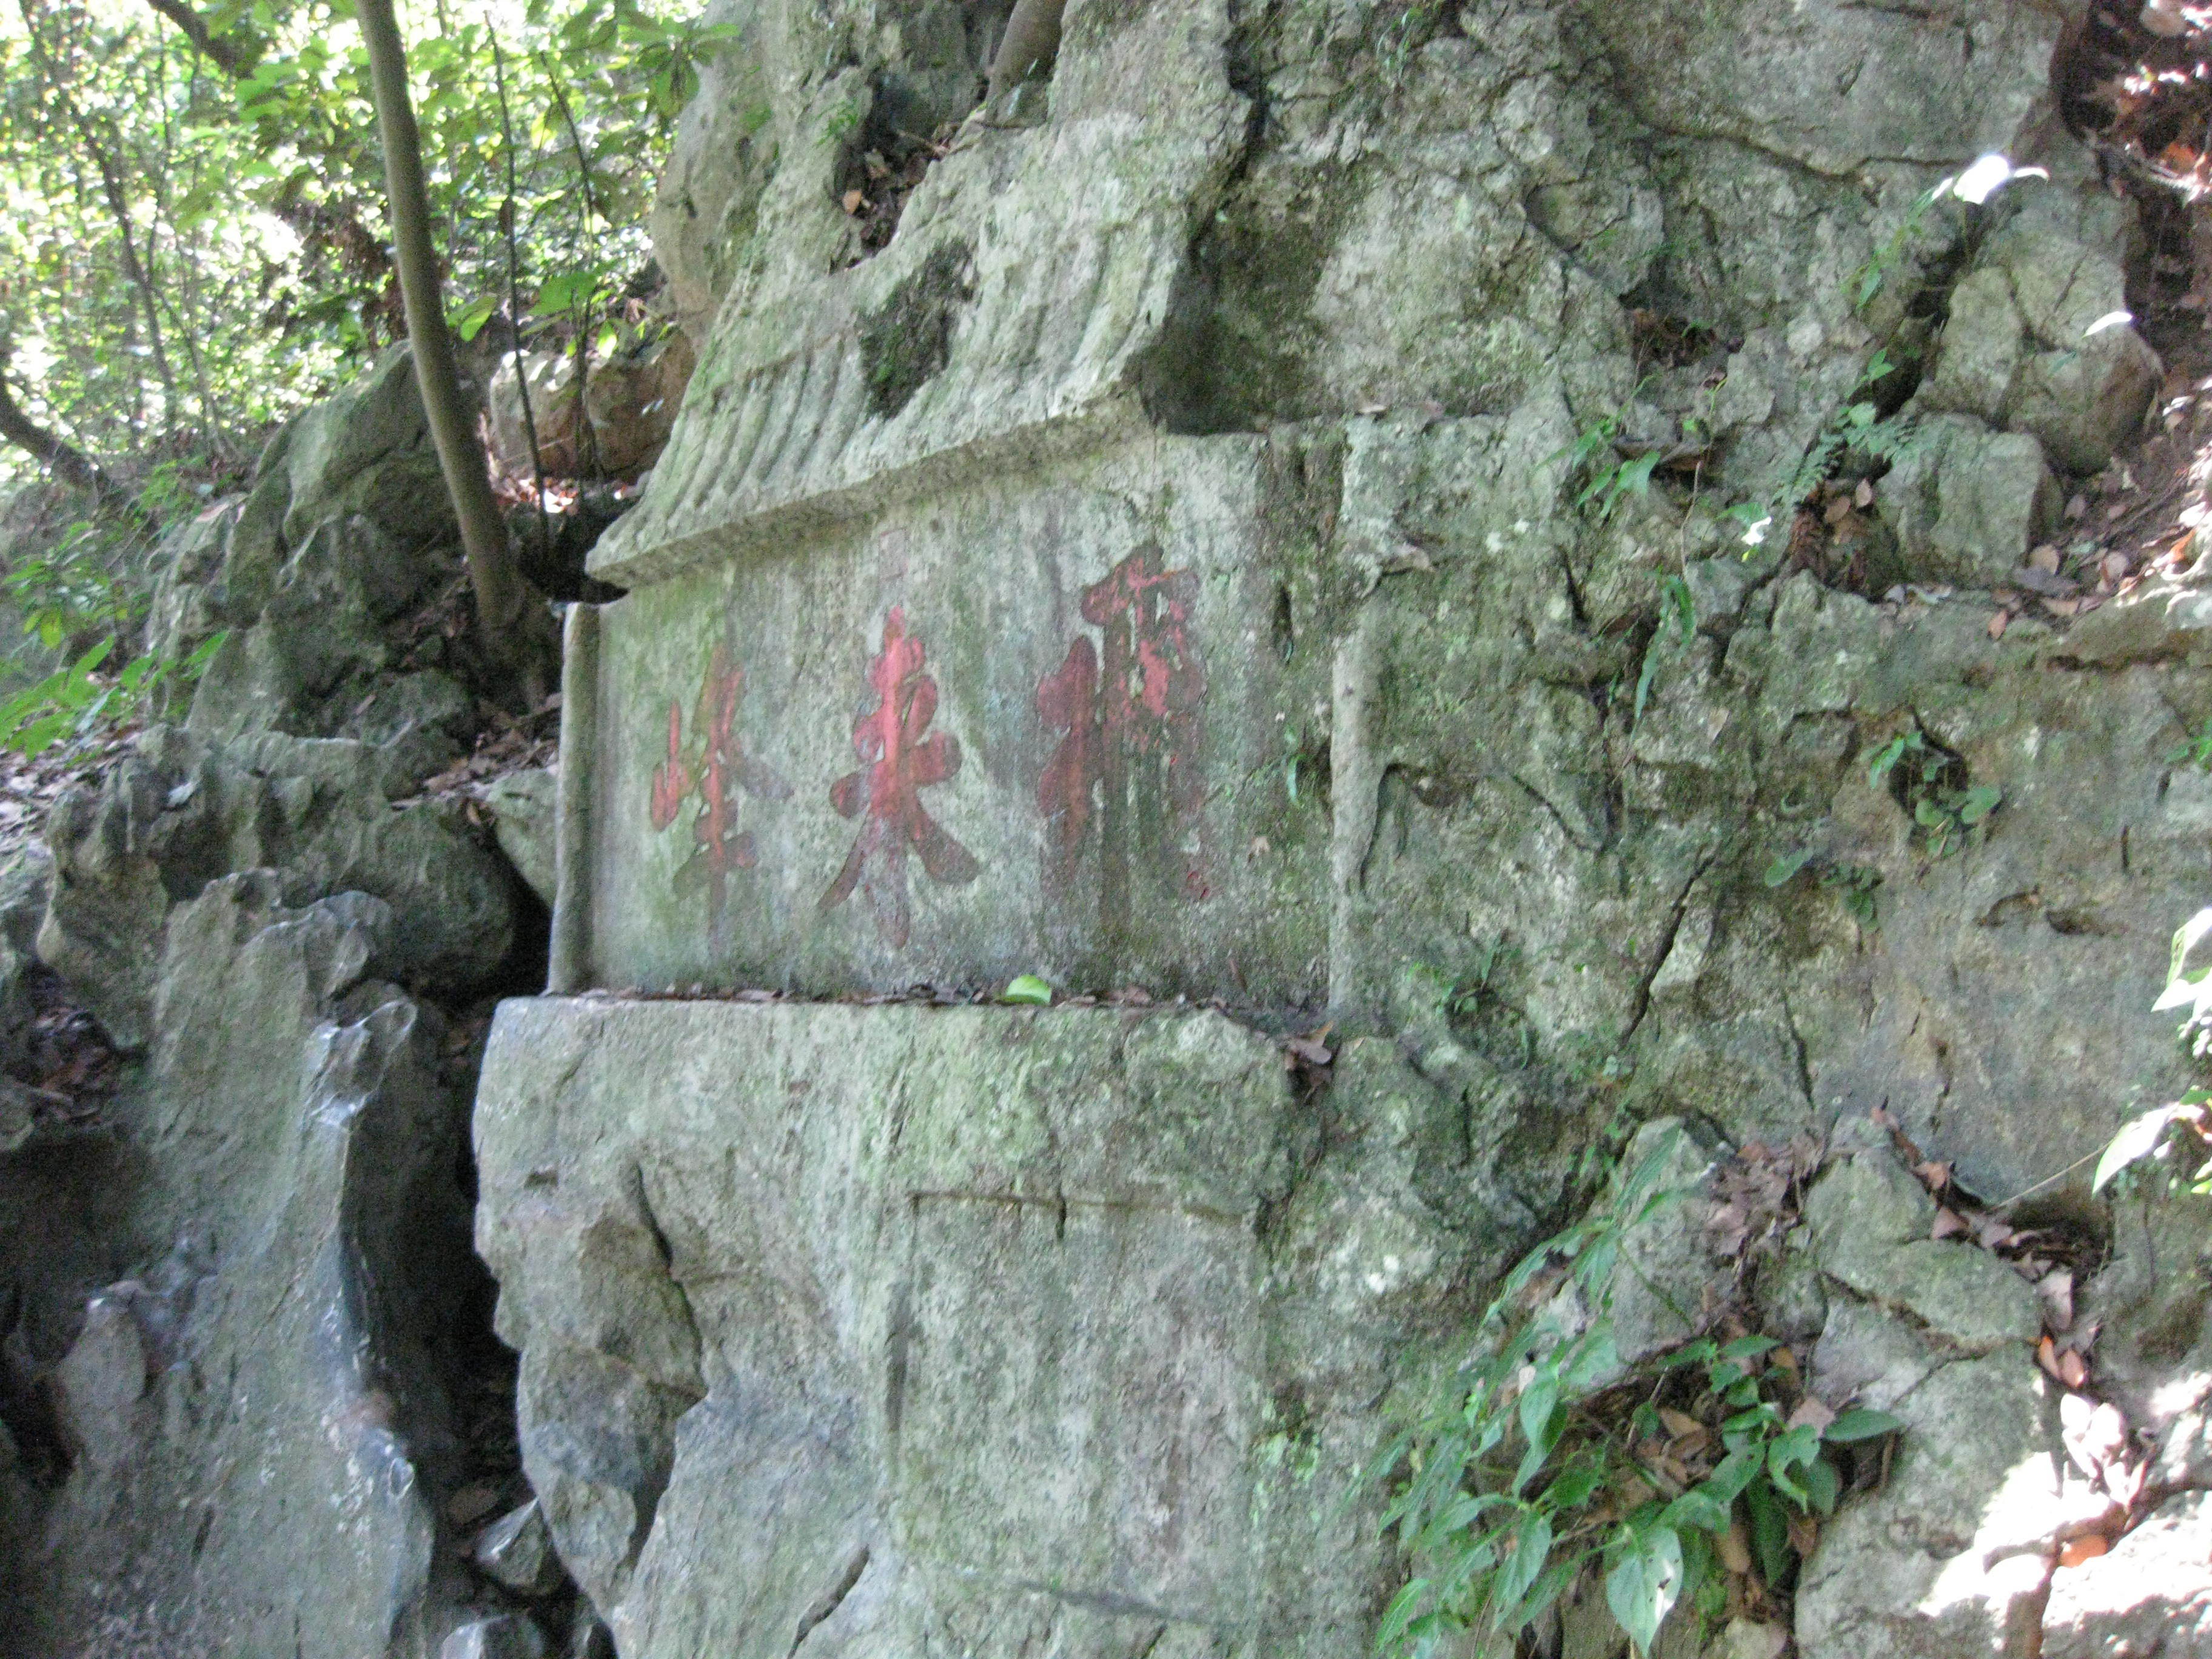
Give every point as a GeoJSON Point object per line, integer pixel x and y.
{"type": "Point", "coordinates": [1735, 1472]}
{"type": "Point", "coordinates": [1785, 866]}
{"type": "Point", "coordinates": [1749, 1347]}
{"type": "Point", "coordinates": [1028, 988]}
{"type": "Point", "coordinates": [1575, 1487]}
{"type": "Point", "coordinates": [1769, 1530]}
{"type": "Point", "coordinates": [1532, 1547]}
{"type": "Point", "coordinates": [1538, 1403]}
{"type": "Point", "coordinates": [1643, 1584]}
{"type": "Point", "coordinates": [1823, 1485]}
{"type": "Point", "coordinates": [1980, 802]}
{"type": "Point", "coordinates": [472, 318]}
{"type": "Point", "coordinates": [1859, 1423]}
{"type": "Point", "coordinates": [2137, 1140]}
{"type": "Point", "coordinates": [1696, 1508]}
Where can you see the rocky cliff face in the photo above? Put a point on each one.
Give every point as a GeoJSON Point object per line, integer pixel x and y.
{"type": "Point", "coordinates": [1249, 521]}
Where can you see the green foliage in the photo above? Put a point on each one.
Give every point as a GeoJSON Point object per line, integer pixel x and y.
{"type": "Point", "coordinates": [1028, 988]}
{"type": "Point", "coordinates": [1857, 431]}
{"type": "Point", "coordinates": [254, 197]}
{"type": "Point", "coordinates": [1853, 883]}
{"type": "Point", "coordinates": [1871, 277]}
{"type": "Point", "coordinates": [2178, 1134]}
{"type": "Point", "coordinates": [1678, 626]}
{"type": "Point", "coordinates": [1605, 477]}
{"type": "Point", "coordinates": [77, 701]}
{"type": "Point", "coordinates": [84, 582]}
{"type": "Point", "coordinates": [2196, 752]}
{"type": "Point", "coordinates": [1947, 815]}
{"type": "Point", "coordinates": [1520, 1477]}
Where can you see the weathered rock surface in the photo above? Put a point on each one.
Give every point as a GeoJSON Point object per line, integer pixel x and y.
{"type": "Point", "coordinates": [1160, 562]}
{"type": "Point", "coordinates": [182, 812]}
{"type": "Point", "coordinates": [255, 1421]}
{"type": "Point", "coordinates": [813, 1304]}
{"type": "Point", "coordinates": [315, 574]}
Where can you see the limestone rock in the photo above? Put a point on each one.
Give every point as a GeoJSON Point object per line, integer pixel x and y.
{"type": "Point", "coordinates": [100, 1383]}
{"type": "Point", "coordinates": [292, 1111]}
{"type": "Point", "coordinates": [1869, 1221]}
{"type": "Point", "coordinates": [1966, 503]}
{"type": "Point", "coordinates": [2152, 1593]}
{"type": "Point", "coordinates": [1953, 1554]}
{"type": "Point", "coordinates": [522, 805]}
{"type": "Point", "coordinates": [517, 1551]}
{"type": "Point", "coordinates": [974, 1447]}
{"type": "Point", "coordinates": [509, 1636]}
{"type": "Point", "coordinates": [180, 813]}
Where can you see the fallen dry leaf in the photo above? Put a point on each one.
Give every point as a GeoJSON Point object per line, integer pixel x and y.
{"type": "Point", "coordinates": [1948, 1224]}
{"type": "Point", "coordinates": [2044, 558]}
{"type": "Point", "coordinates": [854, 201]}
{"type": "Point", "coordinates": [2055, 1289]}
{"type": "Point", "coordinates": [1815, 1412]}
{"type": "Point", "coordinates": [1733, 1549]}
{"type": "Point", "coordinates": [2074, 1551]}
{"type": "Point", "coordinates": [1999, 622]}
{"type": "Point", "coordinates": [1804, 1534]}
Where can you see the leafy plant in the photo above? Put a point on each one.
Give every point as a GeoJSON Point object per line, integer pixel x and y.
{"type": "Point", "coordinates": [1028, 988]}
{"type": "Point", "coordinates": [2196, 752]}
{"type": "Point", "coordinates": [1870, 278]}
{"type": "Point", "coordinates": [1526, 1473]}
{"type": "Point", "coordinates": [72, 702]}
{"type": "Point", "coordinates": [1677, 608]}
{"type": "Point", "coordinates": [1854, 884]}
{"type": "Point", "coordinates": [77, 583]}
{"type": "Point", "coordinates": [1608, 484]}
{"type": "Point", "coordinates": [1858, 429]}
{"type": "Point", "coordinates": [1947, 815]}
{"type": "Point", "coordinates": [2180, 1132]}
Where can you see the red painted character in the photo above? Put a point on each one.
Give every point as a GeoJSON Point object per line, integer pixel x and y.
{"type": "Point", "coordinates": [715, 773]}
{"type": "Point", "coordinates": [898, 761]}
{"type": "Point", "coordinates": [1132, 727]}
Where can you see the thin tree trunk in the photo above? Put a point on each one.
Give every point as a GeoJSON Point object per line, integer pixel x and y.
{"type": "Point", "coordinates": [118, 205]}
{"type": "Point", "coordinates": [503, 610]}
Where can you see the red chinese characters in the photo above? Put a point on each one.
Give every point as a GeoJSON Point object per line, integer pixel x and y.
{"type": "Point", "coordinates": [1129, 716]}
{"type": "Point", "coordinates": [900, 756]}
{"type": "Point", "coordinates": [714, 770]}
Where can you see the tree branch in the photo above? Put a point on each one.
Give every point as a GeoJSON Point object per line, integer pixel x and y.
{"type": "Point", "coordinates": [60, 457]}
{"type": "Point", "coordinates": [223, 54]}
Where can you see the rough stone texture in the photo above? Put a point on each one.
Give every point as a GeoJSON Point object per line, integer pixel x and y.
{"type": "Point", "coordinates": [521, 805]}
{"type": "Point", "coordinates": [1966, 503]}
{"type": "Point", "coordinates": [255, 1415]}
{"type": "Point", "coordinates": [1869, 1223]}
{"type": "Point", "coordinates": [345, 533]}
{"type": "Point", "coordinates": [1193, 459]}
{"type": "Point", "coordinates": [2149, 1595]}
{"type": "Point", "coordinates": [1954, 1554]}
{"type": "Point", "coordinates": [812, 1303]}
{"type": "Point", "coordinates": [516, 1551]}
{"type": "Point", "coordinates": [2037, 338]}
{"type": "Point", "coordinates": [2154, 1352]}
{"type": "Point", "coordinates": [509, 1636]}
{"type": "Point", "coordinates": [181, 812]}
